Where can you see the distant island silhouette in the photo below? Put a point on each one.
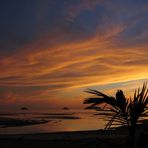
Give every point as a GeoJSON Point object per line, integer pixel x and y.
{"type": "Point", "coordinates": [65, 108]}
{"type": "Point", "coordinates": [24, 108]}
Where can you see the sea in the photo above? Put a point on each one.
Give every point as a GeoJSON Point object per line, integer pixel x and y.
{"type": "Point", "coordinates": [59, 120]}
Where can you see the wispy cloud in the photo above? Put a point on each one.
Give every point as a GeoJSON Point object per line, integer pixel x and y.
{"type": "Point", "coordinates": [84, 44]}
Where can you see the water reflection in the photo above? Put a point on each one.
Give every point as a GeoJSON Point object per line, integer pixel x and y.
{"type": "Point", "coordinates": [54, 121]}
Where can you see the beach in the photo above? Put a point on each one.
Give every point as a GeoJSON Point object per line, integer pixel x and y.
{"type": "Point", "coordinates": [60, 139]}
{"type": "Point", "coordinates": [77, 139]}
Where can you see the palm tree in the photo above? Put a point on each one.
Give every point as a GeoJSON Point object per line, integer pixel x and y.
{"type": "Point", "coordinates": [119, 110]}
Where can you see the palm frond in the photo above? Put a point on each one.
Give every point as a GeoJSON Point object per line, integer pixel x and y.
{"type": "Point", "coordinates": [121, 110]}
{"type": "Point", "coordinates": [100, 99]}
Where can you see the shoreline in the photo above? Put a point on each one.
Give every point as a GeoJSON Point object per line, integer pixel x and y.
{"type": "Point", "coordinates": [113, 138]}
{"type": "Point", "coordinates": [73, 139]}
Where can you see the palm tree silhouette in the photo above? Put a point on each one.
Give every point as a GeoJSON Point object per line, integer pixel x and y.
{"type": "Point", "coordinates": [119, 110]}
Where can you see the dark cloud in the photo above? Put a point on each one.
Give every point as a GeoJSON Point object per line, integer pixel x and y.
{"type": "Point", "coordinates": [62, 45]}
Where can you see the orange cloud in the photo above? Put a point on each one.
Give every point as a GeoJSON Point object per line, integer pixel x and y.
{"type": "Point", "coordinates": [60, 65]}
{"type": "Point", "coordinates": [77, 64]}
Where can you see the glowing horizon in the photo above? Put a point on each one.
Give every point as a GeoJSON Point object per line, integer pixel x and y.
{"type": "Point", "coordinates": [52, 51]}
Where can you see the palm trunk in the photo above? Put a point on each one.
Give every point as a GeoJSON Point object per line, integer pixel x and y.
{"type": "Point", "coordinates": [132, 136]}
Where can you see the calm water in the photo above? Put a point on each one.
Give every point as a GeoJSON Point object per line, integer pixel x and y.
{"type": "Point", "coordinates": [59, 120]}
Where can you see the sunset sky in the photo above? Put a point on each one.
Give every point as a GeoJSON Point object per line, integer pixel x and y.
{"type": "Point", "coordinates": [51, 51]}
